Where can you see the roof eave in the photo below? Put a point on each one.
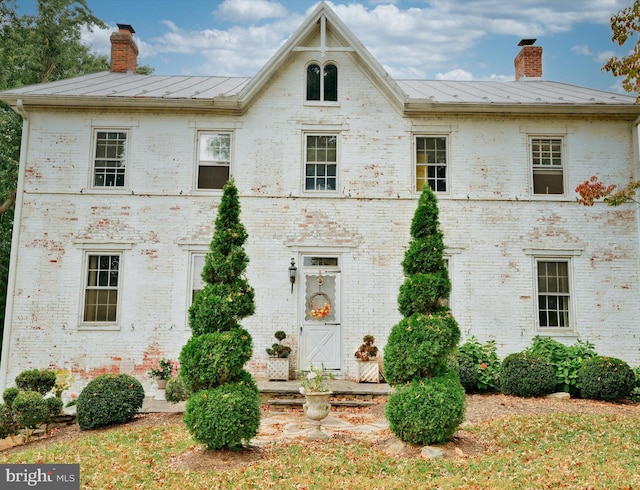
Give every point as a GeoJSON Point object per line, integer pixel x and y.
{"type": "Point", "coordinates": [415, 108]}
{"type": "Point", "coordinates": [223, 104]}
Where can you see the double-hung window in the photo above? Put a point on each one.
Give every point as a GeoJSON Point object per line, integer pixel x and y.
{"type": "Point", "coordinates": [214, 159]}
{"type": "Point", "coordinates": [322, 82]}
{"type": "Point", "coordinates": [547, 164]}
{"type": "Point", "coordinates": [101, 288]}
{"type": "Point", "coordinates": [431, 163]}
{"type": "Point", "coordinates": [553, 293]}
{"type": "Point", "coordinates": [197, 265]}
{"type": "Point", "coordinates": [321, 162]}
{"type": "Point", "coordinates": [109, 164]}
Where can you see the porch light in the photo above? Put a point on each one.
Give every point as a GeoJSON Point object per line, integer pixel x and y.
{"type": "Point", "coordinates": [292, 273]}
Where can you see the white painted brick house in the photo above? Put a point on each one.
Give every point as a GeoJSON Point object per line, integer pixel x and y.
{"type": "Point", "coordinates": [120, 178]}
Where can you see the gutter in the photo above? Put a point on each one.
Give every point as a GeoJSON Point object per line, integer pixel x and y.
{"type": "Point", "coordinates": [17, 218]}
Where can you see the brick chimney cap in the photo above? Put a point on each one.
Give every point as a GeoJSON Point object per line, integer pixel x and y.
{"type": "Point", "coordinates": [523, 42]}
{"type": "Point", "coordinates": [126, 27]}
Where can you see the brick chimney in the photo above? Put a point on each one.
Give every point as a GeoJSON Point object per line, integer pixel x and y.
{"type": "Point", "coordinates": [124, 52]}
{"type": "Point", "coordinates": [528, 63]}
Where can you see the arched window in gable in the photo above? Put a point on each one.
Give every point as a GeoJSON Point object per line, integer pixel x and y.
{"type": "Point", "coordinates": [322, 82]}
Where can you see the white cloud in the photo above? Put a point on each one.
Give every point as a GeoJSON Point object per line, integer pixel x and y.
{"type": "Point", "coordinates": [582, 49]}
{"type": "Point", "coordinates": [456, 74]}
{"type": "Point", "coordinates": [249, 10]}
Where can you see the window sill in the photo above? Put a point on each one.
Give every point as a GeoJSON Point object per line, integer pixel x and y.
{"type": "Point", "coordinates": [98, 328]}
{"type": "Point", "coordinates": [557, 332]}
{"type": "Point", "coordinates": [320, 103]}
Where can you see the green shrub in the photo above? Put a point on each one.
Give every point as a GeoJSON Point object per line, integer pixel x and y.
{"type": "Point", "coordinates": [467, 371]}
{"type": "Point", "coordinates": [427, 411]}
{"type": "Point", "coordinates": [421, 293]}
{"type": "Point", "coordinates": [176, 390]}
{"type": "Point", "coordinates": [606, 378]}
{"type": "Point", "coordinates": [522, 374]}
{"type": "Point", "coordinates": [486, 362]}
{"type": "Point", "coordinates": [8, 424]}
{"type": "Point", "coordinates": [635, 393]}
{"type": "Point", "coordinates": [30, 409]}
{"type": "Point", "coordinates": [226, 417]}
{"type": "Point", "coordinates": [219, 307]}
{"type": "Point", "coordinates": [39, 380]}
{"type": "Point", "coordinates": [211, 359]}
{"type": "Point", "coordinates": [566, 360]}
{"type": "Point", "coordinates": [109, 399]}
{"type": "Point", "coordinates": [54, 406]}
{"type": "Point", "coordinates": [418, 346]}
{"type": "Point", "coordinates": [9, 395]}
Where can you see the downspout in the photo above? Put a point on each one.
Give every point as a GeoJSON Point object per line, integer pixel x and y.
{"type": "Point", "coordinates": [13, 258]}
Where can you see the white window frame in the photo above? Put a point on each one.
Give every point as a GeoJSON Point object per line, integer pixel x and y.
{"type": "Point", "coordinates": [562, 167]}
{"type": "Point", "coordinates": [101, 325]}
{"type": "Point", "coordinates": [212, 162]}
{"type": "Point", "coordinates": [94, 159]}
{"type": "Point", "coordinates": [570, 326]}
{"type": "Point", "coordinates": [196, 265]}
{"type": "Point", "coordinates": [447, 164]}
{"type": "Point", "coordinates": [321, 100]}
{"type": "Point", "coordinates": [305, 136]}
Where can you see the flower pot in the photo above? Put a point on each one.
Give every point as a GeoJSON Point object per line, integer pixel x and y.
{"type": "Point", "coordinates": [162, 384]}
{"type": "Point", "coordinates": [278, 369]}
{"type": "Point", "coordinates": [367, 372]}
{"type": "Point", "coordinates": [316, 408]}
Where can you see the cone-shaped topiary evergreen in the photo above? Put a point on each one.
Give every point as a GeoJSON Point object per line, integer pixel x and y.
{"type": "Point", "coordinates": [223, 410]}
{"type": "Point", "coordinates": [428, 401]}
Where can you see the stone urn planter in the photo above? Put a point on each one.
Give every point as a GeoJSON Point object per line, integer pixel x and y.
{"type": "Point", "coordinates": [317, 407]}
{"type": "Point", "coordinates": [162, 385]}
{"type": "Point", "coordinates": [278, 369]}
{"type": "Point", "coordinates": [367, 372]}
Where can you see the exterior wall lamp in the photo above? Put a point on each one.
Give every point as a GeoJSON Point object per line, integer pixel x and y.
{"type": "Point", "coordinates": [292, 273]}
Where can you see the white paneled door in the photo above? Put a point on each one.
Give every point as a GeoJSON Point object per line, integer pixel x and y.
{"type": "Point", "coordinates": [320, 329]}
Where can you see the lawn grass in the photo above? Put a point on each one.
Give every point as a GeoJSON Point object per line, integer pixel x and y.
{"type": "Point", "coordinates": [542, 451]}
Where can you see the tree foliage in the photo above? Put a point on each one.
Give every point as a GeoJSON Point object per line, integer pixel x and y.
{"type": "Point", "coordinates": [593, 190]}
{"type": "Point", "coordinates": [624, 26]}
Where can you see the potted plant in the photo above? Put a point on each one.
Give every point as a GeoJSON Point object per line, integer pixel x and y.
{"type": "Point", "coordinates": [316, 388]}
{"type": "Point", "coordinates": [278, 362]}
{"type": "Point", "coordinates": [162, 371]}
{"type": "Point", "coordinates": [367, 367]}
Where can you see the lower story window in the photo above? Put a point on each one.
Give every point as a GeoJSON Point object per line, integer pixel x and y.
{"type": "Point", "coordinates": [553, 294]}
{"type": "Point", "coordinates": [101, 291]}
{"type": "Point", "coordinates": [197, 265]}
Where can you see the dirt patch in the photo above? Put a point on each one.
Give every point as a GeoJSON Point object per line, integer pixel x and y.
{"type": "Point", "coordinates": [462, 445]}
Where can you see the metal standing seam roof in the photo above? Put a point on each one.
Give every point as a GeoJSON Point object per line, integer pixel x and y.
{"type": "Point", "coordinates": [128, 85]}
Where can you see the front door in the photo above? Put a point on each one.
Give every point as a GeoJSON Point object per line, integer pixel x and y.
{"type": "Point", "coordinates": [320, 330]}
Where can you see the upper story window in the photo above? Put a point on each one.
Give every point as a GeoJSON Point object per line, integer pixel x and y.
{"type": "Point", "coordinates": [321, 162]}
{"type": "Point", "coordinates": [322, 82]}
{"type": "Point", "coordinates": [214, 159]}
{"type": "Point", "coordinates": [547, 164]}
{"type": "Point", "coordinates": [109, 162]}
{"type": "Point", "coordinates": [431, 163]}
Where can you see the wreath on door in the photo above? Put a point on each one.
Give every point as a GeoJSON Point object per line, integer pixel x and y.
{"type": "Point", "coordinates": [316, 311]}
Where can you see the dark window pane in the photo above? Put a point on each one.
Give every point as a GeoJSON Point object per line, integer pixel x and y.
{"type": "Point", "coordinates": [331, 83]}
{"type": "Point", "coordinates": [313, 82]}
{"type": "Point", "coordinates": [212, 177]}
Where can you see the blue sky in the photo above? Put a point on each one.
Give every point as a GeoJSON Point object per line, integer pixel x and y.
{"type": "Point", "coordinates": [412, 39]}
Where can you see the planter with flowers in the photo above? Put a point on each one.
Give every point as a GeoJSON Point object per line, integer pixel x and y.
{"type": "Point", "coordinates": [367, 367]}
{"type": "Point", "coordinates": [162, 371]}
{"type": "Point", "coordinates": [316, 388]}
{"type": "Point", "coordinates": [278, 362]}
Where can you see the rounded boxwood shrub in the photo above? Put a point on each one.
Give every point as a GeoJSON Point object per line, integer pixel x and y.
{"type": "Point", "coordinates": [39, 380]}
{"type": "Point", "coordinates": [226, 417]}
{"type": "Point", "coordinates": [109, 399]}
{"type": "Point", "coordinates": [176, 390]}
{"type": "Point", "coordinates": [8, 425]}
{"type": "Point", "coordinates": [30, 409]}
{"type": "Point", "coordinates": [427, 411]}
{"type": "Point", "coordinates": [9, 395]}
{"type": "Point", "coordinates": [418, 346]}
{"type": "Point", "coordinates": [605, 378]}
{"type": "Point", "coordinates": [211, 359]}
{"type": "Point", "coordinates": [526, 375]}
{"type": "Point", "coordinates": [467, 371]}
